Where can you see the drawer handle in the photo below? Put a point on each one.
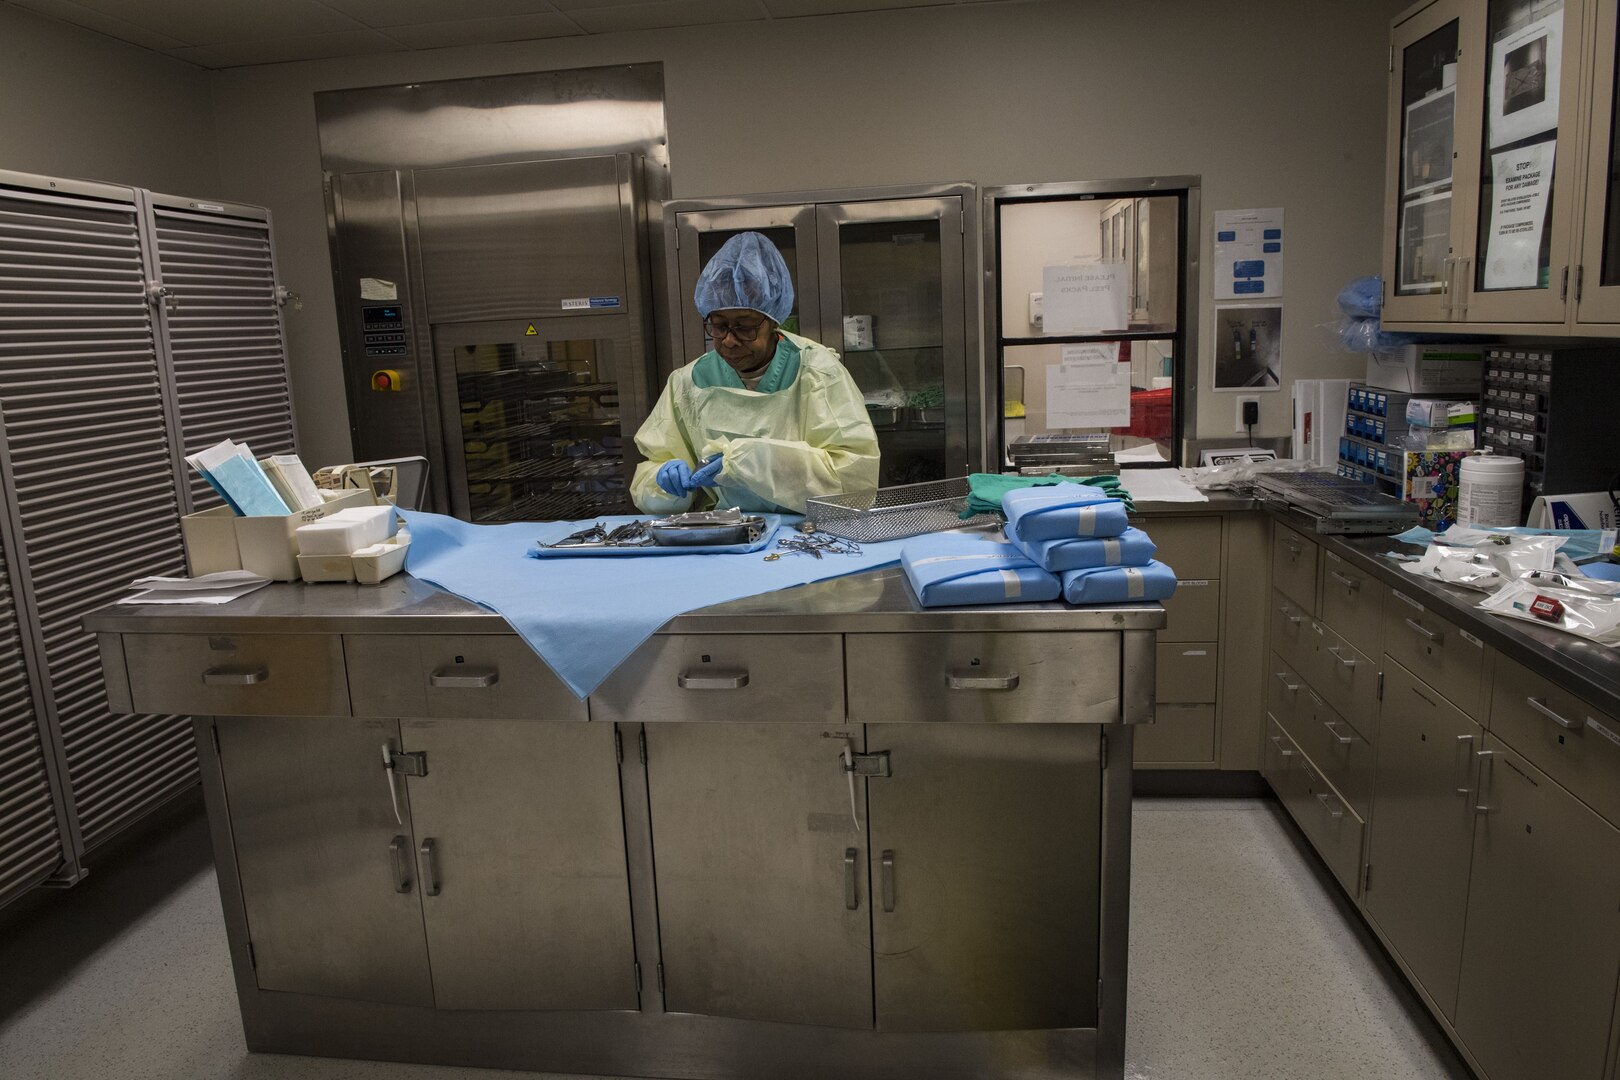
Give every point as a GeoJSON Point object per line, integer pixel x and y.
{"type": "Point", "coordinates": [852, 900]}
{"type": "Point", "coordinates": [1348, 582]}
{"type": "Point", "coordinates": [888, 880]}
{"type": "Point", "coordinates": [1333, 729]}
{"type": "Point", "coordinates": [1291, 687]}
{"type": "Point", "coordinates": [1292, 547]}
{"type": "Point", "coordinates": [1278, 740]}
{"type": "Point", "coordinates": [1327, 804]}
{"type": "Point", "coordinates": [402, 865]}
{"type": "Point", "coordinates": [220, 676]}
{"type": "Point", "coordinates": [1295, 619]}
{"type": "Point", "coordinates": [1337, 655]}
{"type": "Point", "coordinates": [464, 678]}
{"type": "Point", "coordinates": [1424, 630]}
{"type": "Point", "coordinates": [430, 866]}
{"type": "Point", "coordinates": [961, 679]}
{"type": "Point", "coordinates": [1541, 707]}
{"type": "Point", "coordinates": [712, 680]}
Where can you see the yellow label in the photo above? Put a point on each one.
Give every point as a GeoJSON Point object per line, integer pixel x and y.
{"type": "Point", "coordinates": [531, 331]}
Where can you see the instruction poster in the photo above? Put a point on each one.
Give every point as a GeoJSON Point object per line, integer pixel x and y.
{"type": "Point", "coordinates": [1521, 184]}
{"type": "Point", "coordinates": [1090, 388]}
{"type": "Point", "coordinates": [1083, 298]}
{"type": "Point", "coordinates": [1248, 253]}
{"type": "Point", "coordinates": [1430, 135]}
{"type": "Point", "coordinates": [1248, 347]}
{"type": "Point", "coordinates": [1425, 243]}
{"type": "Point", "coordinates": [1526, 66]}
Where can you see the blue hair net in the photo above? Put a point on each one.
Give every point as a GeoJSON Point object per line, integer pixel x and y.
{"type": "Point", "coordinates": [747, 272]}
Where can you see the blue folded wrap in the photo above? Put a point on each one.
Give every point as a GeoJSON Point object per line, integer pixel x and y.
{"type": "Point", "coordinates": [1063, 512]}
{"type": "Point", "coordinates": [1119, 584]}
{"type": "Point", "coordinates": [950, 569]}
{"type": "Point", "coordinates": [1130, 548]}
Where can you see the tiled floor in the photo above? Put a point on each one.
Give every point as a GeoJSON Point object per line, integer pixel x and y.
{"type": "Point", "coordinates": [1243, 967]}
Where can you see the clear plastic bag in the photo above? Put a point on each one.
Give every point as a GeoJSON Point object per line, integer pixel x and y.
{"type": "Point", "coordinates": [1595, 618]}
{"type": "Point", "coordinates": [1488, 565]}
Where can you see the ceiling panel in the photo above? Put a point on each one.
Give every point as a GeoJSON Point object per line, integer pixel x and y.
{"type": "Point", "coordinates": [212, 22]}
{"type": "Point", "coordinates": [442, 35]}
{"type": "Point", "coordinates": [309, 47]}
{"type": "Point", "coordinates": [385, 13]}
{"type": "Point", "coordinates": [657, 16]}
{"type": "Point", "coordinates": [111, 25]}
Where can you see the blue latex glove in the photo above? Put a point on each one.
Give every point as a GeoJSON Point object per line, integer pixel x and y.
{"type": "Point", "coordinates": [675, 477]}
{"type": "Point", "coordinates": [708, 475]}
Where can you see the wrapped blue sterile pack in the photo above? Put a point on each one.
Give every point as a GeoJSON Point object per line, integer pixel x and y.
{"type": "Point", "coordinates": [1119, 584]}
{"type": "Point", "coordinates": [1130, 548]}
{"type": "Point", "coordinates": [953, 568]}
{"type": "Point", "coordinates": [1064, 512]}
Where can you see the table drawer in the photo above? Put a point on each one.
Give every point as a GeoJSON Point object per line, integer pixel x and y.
{"type": "Point", "coordinates": [1341, 752]}
{"type": "Point", "coordinates": [1034, 678]}
{"type": "Point", "coordinates": [730, 677]}
{"type": "Point", "coordinates": [237, 674]}
{"type": "Point", "coordinates": [1560, 734]}
{"type": "Point", "coordinates": [1186, 673]}
{"type": "Point", "coordinates": [1278, 765]}
{"type": "Point", "coordinates": [1285, 691]}
{"type": "Point", "coordinates": [1194, 612]}
{"type": "Point", "coordinates": [1346, 677]}
{"type": "Point", "coordinates": [1179, 735]}
{"type": "Point", "coordinates": [1436, 651]}
{"type": "Point", "coordinates": [475, 676]}
{"type": "Point", "coordinates": [1290, 631]}
{"type": "Point", "coordinates": [1293, 566]}
{"type": "Point", "coordinates": [1191, 546]}
{"type": "Point", "coordinates": [1334, 829]}
{"type": "Point", "coordinates": [1353, 603]}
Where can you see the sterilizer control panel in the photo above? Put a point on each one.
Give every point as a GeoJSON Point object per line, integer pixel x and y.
{"type": "Point", "coordinates": [383, 329]}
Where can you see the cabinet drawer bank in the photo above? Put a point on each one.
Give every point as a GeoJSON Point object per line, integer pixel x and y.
{"type": "Point", "coordinates": [856, 875]}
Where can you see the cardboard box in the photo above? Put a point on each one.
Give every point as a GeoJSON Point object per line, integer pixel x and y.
{"type": "Point", "coordinates": [1591, 510]}
{"type": "Point", "coordinates": [219, 540]}
{"type": "Point", "coordinates": [1429, 369]}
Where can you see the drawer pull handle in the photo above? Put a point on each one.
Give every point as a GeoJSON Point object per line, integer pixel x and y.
{"type": "Point", "coordinates": [1541, 707]}
{"type": "Point", "coordinates": [1424, 630]}
{"type": "Point", "coordinates": [712, 680]}
{"type": "Point", "coordinates": [1332, 726]}
{"type": "Point", "coordinates": [1337, 655]}
{"type": "Point", "coordinates": [464, 678]}
{"type": "Point", "coordinates": [430, 866]}
{"type": "Point", "coordinates": [888, 880]}
{"type": "Point", "coordinates": [852, 900]}
{"type": "Point", "coordinates": [236, 676]}
{"type": "Point", "coordinates": [961, 679]}
{"type": "Point", "coordinates": [402, 865]}
{"type": "Point", "coordinates": [1348, 582]}
{"type": "Point", "coordinates": [1327, 804]}
{"type": "Point", "coordinates": [1293, 548]}
{"type": "Point", "coordinates": [1291, 687]}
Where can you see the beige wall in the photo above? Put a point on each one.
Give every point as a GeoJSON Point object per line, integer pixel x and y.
{"type": "Point", "coordinates": [77, 104]}
{"type": "Point", "coordinates": [1272, 102]}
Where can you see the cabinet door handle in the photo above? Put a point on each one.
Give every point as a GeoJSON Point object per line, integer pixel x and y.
{"type": "Point", "coordinates": [712, 680]}
{"type": "Point", "coordinates": [1541, 707]}
{"type": "Point", "coordinates": [1327, 804]}
{"type": "Point", "coordinates": [1337, 655]}
{"type": "Point", "coordinates": [888, 880]}
{"type": "Point", "coordinates": [962, 679]}
{"type": "Point", "coordinates": [1419, 628]}
{"type": "Point", "coordinates": [402, 863]}
{"type": "Point", "coordinates": [852, 899]}
{"type": "Point", "coordinates": [1348, 582]}
{"type": "Point", "coordinates": [1481, 807]}
{"type": "Point", "coordinates": [1291, 687]}
{"type": "Point", "coordinates": [430, 866]}
{"type": "Point", "coordinates": [464, 678]}
{"type": "Point", "coordinates": [1464, 740]}
{"type": "Point", "coordinates": [1333, 729]}
{"type": "Point", "coordinates": [221, 676]}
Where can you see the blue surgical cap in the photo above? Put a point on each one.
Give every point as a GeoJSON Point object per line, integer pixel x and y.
{"type": "Point", "coordinates": [747, 272]}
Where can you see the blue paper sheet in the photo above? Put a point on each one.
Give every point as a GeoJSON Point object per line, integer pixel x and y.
{"type": "Point", "coordinates": [1133, 547]}
{"type": "Point", "coordinates": [953, 568]}
{"type": "Point", "coordinates": [585, 616]}
{"type": "Point", "coordinates": [1064, 512]}
{"type": "Point", "coordinates": [1582, 543]}
{"type": "Point", "coordinates": [1119, 584]}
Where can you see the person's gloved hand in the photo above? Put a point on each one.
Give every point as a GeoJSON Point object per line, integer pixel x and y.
{"type": "Point", "coordinates": [675, 477]}
{"type": "Point", "coordinates": [708, 475]}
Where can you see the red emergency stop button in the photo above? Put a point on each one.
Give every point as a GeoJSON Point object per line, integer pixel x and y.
{"type": "Point", "coordinates": [386, 379]}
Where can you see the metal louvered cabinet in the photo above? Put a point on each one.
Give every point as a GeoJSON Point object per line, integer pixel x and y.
{"type": "Point", "coordinates": [89, 480]}
{"type": "Point", "coordinates": [219, 329]}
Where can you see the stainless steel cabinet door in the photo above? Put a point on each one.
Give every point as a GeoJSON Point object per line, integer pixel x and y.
{"type": "Point", "coordinates": [985, 870]}
{"type": "Point", "coordinates": [332, 904]}
{"type": "Point", "coordinates": [520, 851]}
{"type": "Point", "coordinates": [1542, 950]}
{"type": "Point", "coordinates": [1422, 830]}
{"type": "Point", "coordinates": [762, 888]}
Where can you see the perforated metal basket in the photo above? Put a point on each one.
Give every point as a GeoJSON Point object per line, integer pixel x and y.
{"type": "Point", "coordinates": [896, 512]}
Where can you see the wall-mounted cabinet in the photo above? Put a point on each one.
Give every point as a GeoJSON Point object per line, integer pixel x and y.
{"type": "Point", "coordinates": [1496, 186]}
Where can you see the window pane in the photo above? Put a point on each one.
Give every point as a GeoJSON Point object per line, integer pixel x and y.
{"type": "Point", "coordinates": [1051, 389]}
{"type": "Point", "coordinates": [1428, 139]}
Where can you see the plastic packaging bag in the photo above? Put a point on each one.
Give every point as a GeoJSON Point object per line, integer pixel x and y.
{"type": "Point", "coordinates": [1596, 618]}
{"type": "Point", "coordinates": [1488, 565]}
{"type": "Point", "coordinates": [1363, 297]}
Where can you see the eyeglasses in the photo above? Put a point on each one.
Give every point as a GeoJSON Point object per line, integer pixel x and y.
{"type": "Point", "coordinates": [744, 331]}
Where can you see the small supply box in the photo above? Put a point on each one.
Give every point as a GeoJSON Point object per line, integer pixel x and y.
{"type": "Point", "coordinates": [1428, 369]}
{"type": "Point", "coordinates": [369, 566]}
{"type": "Point", "coordinates": [218, 539]}
{"type": "Point", "coordinates": [1441, 413]}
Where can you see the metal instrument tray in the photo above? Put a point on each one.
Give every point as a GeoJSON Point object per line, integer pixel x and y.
{"type": "Point", "coordinates": [893, 513]}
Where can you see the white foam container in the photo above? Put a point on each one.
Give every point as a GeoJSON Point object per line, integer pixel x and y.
{"type": "Point", "coordinates": [369, 569]}
{"type": "Point", "coordinates": [346, 531]}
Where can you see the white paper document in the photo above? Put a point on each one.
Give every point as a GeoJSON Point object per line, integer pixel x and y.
{"type": "Point", "coordinates": [1526, 67]}
{"type": "Point", "coordinates": [216, 588]}
{"type": "Point", "coordinates": [1088, 393]}
{"type": "Point", "coordinates": [1248, 253]}
{"type": "Point", "coordinates": [1425, 243]}
{"type": "Point", "coordinates": [1083, 298]}
{"type": "Point", "coordinates": [1520, 187]}
{"type": "Point", "coordinates": [372, 288]}
{"type": "Point", "coordinates": [1159, 485]}
{"type": "Point", "coordinates": [1430, 137]}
